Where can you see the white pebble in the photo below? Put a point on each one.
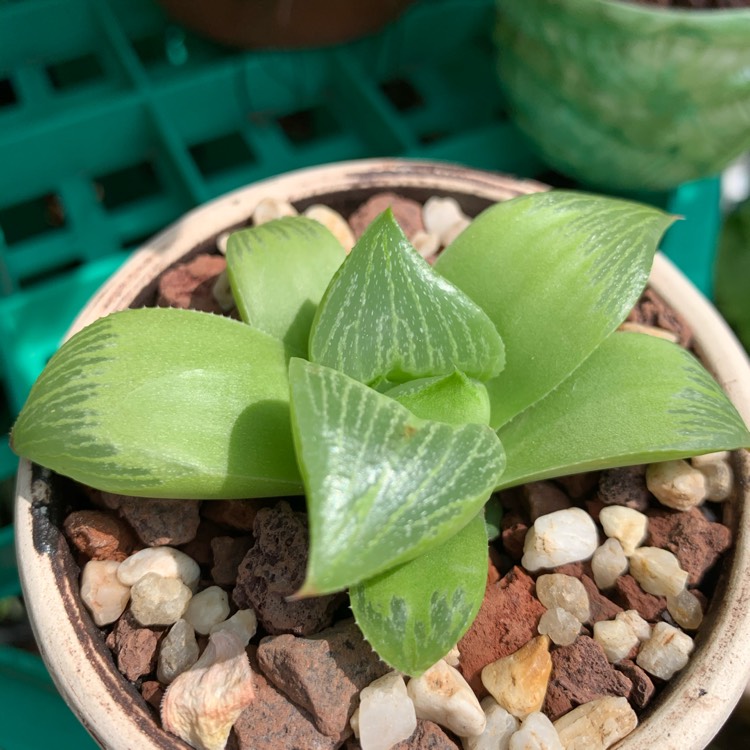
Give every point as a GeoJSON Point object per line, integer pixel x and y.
{"type": "Point", "coordinates": [221, 242]}
{"type": "Point", "coordinates": [561, 627]}
{"type": "Point", "coordinates": [222, 291]}
{"type": "Point", "coordinates": [454, 230]}
{"type": "Point", "coordinates": [627, 525]}
{"type": "Point", "coordinates": [453, 657]}
{"type": "Point", "coordinates": [718, 473]}
{"type": "Point", "coordinates": [208, 608]}
{"type": "Point", "coordinates": [666, 652]}
{"type": "Point", "coordinates": [269, 209]}
{"type": "Point", "coordinates": [440, 215]}
{"type": "Point", "coordinates": [243, 623]}
{"type": "Point", "coordinates": [560, 537]}
{"type": "Point", "coordinates": [596, 725]}
{"type": "Point", "coordinates": [567, 592]}
{"type": "Point", "coordinates": [167, 562]}
{"type": "Point", "coordinates": [177, 652]}
{"type": "Point", "coordinates": [676, 484]}
{"type": "Point", "coordinates": [632, 618]}
{"type": "Point", "coordinates": [386, 714]}
{"type": "Point", "coordinates": [334, 222]}
{"type": "Point", "coordinates": [155, 600]}
{"type": "Point", "coordinates": [616, 638]}
{"type": "Point", "coordinates": [500, 727]}
{"type": "Point", "coordinates": [609, 563]}
{"type": "Point", "coordinates": [685, 609]}
{"type": "Point", "coordinates": [536, 733]}
{"type": "Point", "coordinates": [425, 244]}
{"type": "Point", "coordinates": [101, 591]}
{"type": "Point", "coordinates": [442, 695]}
{"type": "Point", "coordinates": [658, 571]}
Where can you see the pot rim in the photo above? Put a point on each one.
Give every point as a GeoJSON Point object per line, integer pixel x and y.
{"type": "Point", "coordinates": [696, 702]}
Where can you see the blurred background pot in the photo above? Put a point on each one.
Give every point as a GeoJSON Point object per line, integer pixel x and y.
{"type": "Point", "coordinates": [626, 95]}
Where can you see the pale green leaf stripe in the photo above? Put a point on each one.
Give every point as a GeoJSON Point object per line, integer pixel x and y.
{"type": "Point", "coordinates": [278, 272]}
{"type": "Point", "coordinates": [556, 272]}
{"type": "Point", "coordinates": [165, 403]}
{"type": "Point", "coordinates": [382, 485]}
{"type": "Point", "coordinates": [387, 314]}
{"type": "Point", "coordinates": [637, 399]}
{"type": "Point", "coordinates": [414, 614]}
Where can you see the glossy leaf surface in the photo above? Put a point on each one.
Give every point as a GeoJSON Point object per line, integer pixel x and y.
{"type": "Point", "coordinates": [382, 485]}
{"type": "Point", "coordinates": [557, 273]}
{"type": "Point", "coordinates": [278, 272]}
{"type": "Point", "coordinates": [637, 399]}
{"type": "Point", "coordinates": [387, 314]}
{"type": "Point", "coordinates": [165, 403]}
{"type": "Point", "coordinates": [414, 614]}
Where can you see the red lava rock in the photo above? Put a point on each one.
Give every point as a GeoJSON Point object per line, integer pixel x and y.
{"type": "Point", "coordinates": [237, 514]}
{"type": "Point", "coordinates": [581, 673]}
{"type": "Point", "coordinates": [507, 619]}
{"type": "Point", "coordinates": [274, 569]}
{"type": "Point", "coordinates": [134, 646]}
{"type": "Point", "coordinates": [199, 548]}
{"type": "Point", "coordinates": [228, 553]}
{"type": "Point", "coordinates": [643, 687]}
{"type": "Point", "coordinates": [272, 722]}
{"type": "Point", "coordinates": [152, 692]}
{"type": "Point", "coordinates": [542, 498]}
{"type": "Point", "coordinates": [408, 213]}
{"type": "Point", "coordinates": [512, 533]}
{"type": "Point", "coordinates": [624, 486]}
{"type": "Point", "coordinates": [600, 607]}
{"type": "Point", "coordinates": [652, 310]}
{"type": "Point", "coordinates": [594, 508]}
{"type": "Point", "coordinates": [696, 541]}
{"type": "Point", "coordinates": [629, 595]}
{"type": "Point", "coordinates": [99, 535]}
{"type": "Point", "coordinates": [190, 285]}
{"type": "Point", "coordinates": [323, 674]}
{"type": "Point", "coordinates": [157, 521]}
{"type": "Point", "coordinates": [579, 485]}
{"type": "Point", "coordinates": [427, 736]}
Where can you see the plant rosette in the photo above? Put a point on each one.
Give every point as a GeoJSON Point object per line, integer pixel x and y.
{"type": "Point", "coordinates": [397, 397]}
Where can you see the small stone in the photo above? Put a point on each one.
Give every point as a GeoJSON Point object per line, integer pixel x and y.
{"type": "Point", "coordinates": [453, 657]}
{"type": "Point", "coordinates": [442, 695]}
{"type": "Point", "coordinates": [155, 600]}
{"type": "Point", "coordinates": [164, 561]}
{"type": "Point", "coordinates": [152, 692]}
{"type": "Point", "coordinates": [222, 291]}
{"type": "Point", "coordinates": [631, 596]}
{"type": "Point", "coordinates": [608, 563]}
{"type": "Point", "coordinates": [597, 725]}
{"type": "Point", "coordinates": [190, 285]}
{"type": "Point", "coordinates": [427, 736]}
{"type": "Point", "coordinates": [407, 212]}
{"type": "Point", "coordinates": [99, 535]}
{"type": "Point", "coordinates": [626, 525]}
{"type": "Point", "coordinates": [426, 244]}
{"type": "Point", "coordinates": [237, 514]}
{"type": "Point", "coordinates": [643, 689]}
{"type": "Point", "coordinates": [519, 682]}
{"type": "Point", "coordinates": [666, 652]}
{"type": "Point", "coordinates": [718, 473]}
{"type": "Point", "coordinates": [536, 733]}
{"type": "Point", "coordinates": [243, 623]}
{"type": "Point", "coordinates": [513, 531]}
{"type": "Point", "coordinates": [499, 728]}
{"type": "Point", "coordinates": [386, 713]}
{"type": "Point", "coordinates": [676, 484]}
{"type": "Point", "coordinates": [101, 591]}
{"type": "Point", "coordinates": [561, 627]}
{"type": "Point", "coordinates": [658, 571]}
{"type": "Point", "coordinates": [207, 609]}
{"type": "Point", "coordinates": [334, 222]}
{"type": "Point", "coordinates": [685, 609]}
{"type": "Point", "coordinates": [625, 486]}
{"type": "Point", "coordinates": [558, 590]}
{"type": "Point", "coordinates": [454, 230]}
{"type": "Point", "coordinates": [601, 607]}
{"type": "Point", "coordinates": [441, 215]}
{"type": "Point", "coordinates": [134, 646]}
{"type": "Point", "coordinates": [561, 537]}
{"type": "Point", "coordinates": [199, 549]}
{"type": "Point", "coordinates": [579, 485]}
{"type": "Point", "coordinates": [639, 626]}
{"type": "Point", "coordinates": [221, 242]}
{"type": "Point", "coordinates": [178, 652]}
{"type": "Point", "coordinates": [542, 498]}
{"type": "Point", "coordinates": [616, 638]}
{"type": "Point", "coordinates": [269, 209]}
{"type": "Point", "coordinates": [228, 553]}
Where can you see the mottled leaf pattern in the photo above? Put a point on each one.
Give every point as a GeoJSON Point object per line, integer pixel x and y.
{"type": "Point", "coordinates": [387, 314]}
{"type": "Point", "coordinates": [382, 485]}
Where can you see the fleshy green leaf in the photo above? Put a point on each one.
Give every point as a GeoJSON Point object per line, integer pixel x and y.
{"type": "Point", "coordinates": [278, 272]}
{"type": "Point", "coordinates": [557, 273]}
{"type": "Point", "coordinates": [637, 399]}
{"type": "Point", "coordinates": [382, 485]}
{"type": "Point", "coordinates": [452, 398]}
{"type": "Point", "coordinates": [165, 403]}
{"type": "Point", "coordinates": [387, 314]}
{"type": "Point", "coordinates": [414, 614]}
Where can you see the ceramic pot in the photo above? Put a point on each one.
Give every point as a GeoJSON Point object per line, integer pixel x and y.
{"type": "Point", "coordinates": [689, 711]}
{"type": "Point", "coordinates": [624, 95]}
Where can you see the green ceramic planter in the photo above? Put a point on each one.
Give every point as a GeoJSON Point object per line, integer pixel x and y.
{"type": "Point", "coordinates": [627, 96]}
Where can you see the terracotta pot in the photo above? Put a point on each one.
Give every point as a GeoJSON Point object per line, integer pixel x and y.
{"type": "Point", "coordinates": [284, 24]}
{"type": "Point", "coordinates": [693, 706]}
